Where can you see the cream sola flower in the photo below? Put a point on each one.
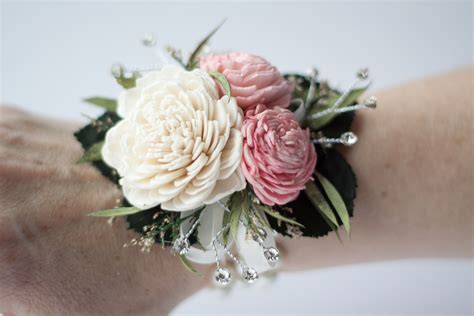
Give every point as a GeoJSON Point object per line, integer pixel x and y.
{"type": "Point", "coordinates": [179, 145]}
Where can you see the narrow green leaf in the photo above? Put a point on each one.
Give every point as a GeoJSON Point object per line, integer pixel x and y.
{"type": "Point", "coordinates": [236, 212]}
{"type": "Point", "coordinates": [319, 202]}
{"type": "Point", "coordinates": [332, 226]}
{"type": "Point", "coordinates": [336, 201]}
{"type": "Point", "coordinates": [325, 103]}
{"type": "Point", "coordinates": [193, 59]}
{"type": "Point", "coordinates": [188, 265]}
{"type": "Point", "coordinates": [119, 211]}
{"type": "Point", "coordinates": [275, 214]}
{"type": "Point", "coordinates": [262, 218]}
{"type": "Point", "coordinates": [222, 81]}
{"type": "Point", "coordinates": [93, 153]}
{"type": "Point", "coordinates": [107, 104]}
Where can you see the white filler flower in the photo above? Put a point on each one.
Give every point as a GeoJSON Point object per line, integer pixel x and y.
{"type": "Point", "coordinates": [179, 144]}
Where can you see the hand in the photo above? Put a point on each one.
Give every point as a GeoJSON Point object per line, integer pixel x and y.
{"type": "Point", "coordinates": [54, 260]}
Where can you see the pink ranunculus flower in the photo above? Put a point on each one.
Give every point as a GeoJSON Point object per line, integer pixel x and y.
{"type": "Point", "coordinates": [252, 79]}
{"type": "Point", "coordinates": [278, 157]}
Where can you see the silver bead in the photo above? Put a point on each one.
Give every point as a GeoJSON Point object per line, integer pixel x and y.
{"type": "Point", "coordinates": [313, 72]}
{"type": "Point", "coordinates": [223, 276]}
{"type": "Point", "coordinates": [363, 73]}
{"type": "Point", "coordinates": [116, 70]}
{"type": "Point", "coordinates": [371, 102]}
{"type": "Point", "coordinates": [149, 40]}
{"type": "Point", "coordinates": [249, 274]}
{"type": "Point", "coordinates": [262, 232]}
{"type": "Point", "coordinates": [348, 139]}
{"type": "Point", "coordinates": [259, 236]}
{"type": "Point", "coordinates": [181, 246]}
{"type": "Point", "coordinates": [271, 254]}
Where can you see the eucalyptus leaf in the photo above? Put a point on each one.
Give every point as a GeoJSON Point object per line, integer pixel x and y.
{"type": "Point", "coordinates": [222, 81]}
{"type": "Point", "coordinates": [319, 202]}
{"type": "Point", "coordinates": [336, 201]}
{"type": "Point", "coordinates": [275, 214]}
{"type": "Point", "coordinates": [193, 59]}
{"type": "Point", "coordinates": [326, 103]}
{"type": "Point", "coordinates": [106, 103]}
{"type": "Point", "coordinates": [93, 153]}
{"type": "Point", "coordinates": [119, 211]}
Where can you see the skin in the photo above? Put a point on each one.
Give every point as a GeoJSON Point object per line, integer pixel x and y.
{"type": "Point", "coordinates": [413, 161]}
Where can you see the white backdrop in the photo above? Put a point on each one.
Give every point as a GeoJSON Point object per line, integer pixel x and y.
{"type": "Point", "coordinates": [54, 54]}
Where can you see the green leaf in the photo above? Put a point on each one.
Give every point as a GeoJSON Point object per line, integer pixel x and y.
{"type": "Point", "coordinates": [225, 222]}
{"type": "Point", "coordinates": [93, 153]}
{"type": "Point", "coordinates": [107, 104]}
{"type": "Point", "coordinates": [333, 166]}
{"type": "Point", "coordinates": [168, 223]}
{"type": "Point", "coordinates": [300, 83]}
{"type": "Point", "coordinates": [94, 133]}
{"type": "Point", "coordinates": [275, 214]}
{"type": "Point", "coordinates": [260, 214]}
{"type": "Point", "coordinates": [336, 201]}
{"type": "Point", "coordinates": [325, 103]}
{"type": "Point", "coordinates": [319, 202]}
{"type": "Point", "coordinates": [188, 265]}
{"type": "Point", "coordinates": [193, 59]}
{"type": "Point", "coordinates": [236, 212]}
{"type": "Point", "coordinates": [126, 81]}
{"type": "Point", "coordinates": [332, 226]}
{"type": "Point", "coordinates": [222, 81]}
{"type": "Point", "coordinates": [119, 211]}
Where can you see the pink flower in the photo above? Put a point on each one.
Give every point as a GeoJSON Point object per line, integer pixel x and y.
{"type": "Point", "coordinates": [278, 157]}
{"type": "Point", "coordinates": [253, 80]}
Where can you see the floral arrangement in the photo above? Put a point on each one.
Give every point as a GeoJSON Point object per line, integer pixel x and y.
{"type": "Point", "coordinates": [217, 155]}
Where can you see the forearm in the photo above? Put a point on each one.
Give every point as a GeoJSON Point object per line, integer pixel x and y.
{"type": "Point", "coordinates": [414, 168]}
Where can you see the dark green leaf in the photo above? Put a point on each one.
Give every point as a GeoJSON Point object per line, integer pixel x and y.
{"type": "Point", "coordinates": [325, 103]}
{"type": "Point", "coordinates": [332, 226]}
{"type": "Point", "coordinates": [236, 212]}
{"type": "Point", "coordinates": [96, 130]}
{"type": "Point", "coordinates": [225, 222]}
{"type": "Point", "coordinates": [94, 133]}
{"type": "Point", "coordinates": [319, 202]}
{"type": "Point", "coordinates": [193, 59]}
{"type": "Point", "coordinates": [119, 211]}
{"type": "Point", "coordinates": [300, 85]}
{"type": "Point", "coordinates": [93, 153]}
{"type": "Point", "coordinates": [222, 81]}
{"type": "Point", "coordinates": [339, 125]}
{"type": "Point", "coordinates": [275, 214]}
{"type": "Point", "coordinates": [105, 103]}
{"type": "Point", "coordinates": [168, 222]}
{"type": "Point", "coordinates": [333, 166]}
{"type": "Point", "coordinates": [336, 201]}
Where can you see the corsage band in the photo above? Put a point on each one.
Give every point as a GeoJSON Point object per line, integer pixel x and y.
{"type": "Point", "coordinates": [218, 155]}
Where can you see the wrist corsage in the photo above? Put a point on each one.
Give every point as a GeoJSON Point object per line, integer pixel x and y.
{"type": "Point", "coordinates": [218, 155]}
